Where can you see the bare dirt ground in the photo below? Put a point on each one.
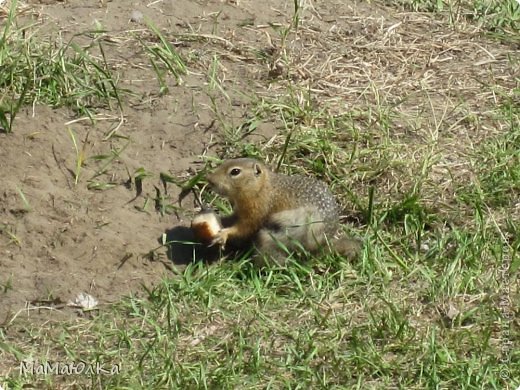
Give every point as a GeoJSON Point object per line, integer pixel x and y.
{"type": "Point", "coordinates": [74, 240]}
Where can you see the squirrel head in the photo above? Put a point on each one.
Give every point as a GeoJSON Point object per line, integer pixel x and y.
{"type": "Point", "coordinates": [241, 177]}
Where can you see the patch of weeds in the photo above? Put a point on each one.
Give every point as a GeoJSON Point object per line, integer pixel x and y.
{"type": "Point", "coordinates": [136, 180]}
{"type": "Point", "coordinates": [10, 233]}
{"type": "Point", "coordinates": [80, 154]}
{"type": "Point", "coordinates": [500, 19]}
{"type": "Point", "coordinates": [139, 175]}
{"type": "Point", "coordinates": [96, 185]}
{"type": "Point", "coordinates": [497, 16]}
{"type": "Point", "coordinates": [145, 205]}
{"type": "Point", "coordinates": [234, 128]}
{"type": "Point", "coordinates": [105, 161]}
{"type": "Point", "coordinates": [409, 213]}
{"type": "Point", "coordinates": [497, 168]}
{"type": "Point", "coordinates": [248, 149]}
{"type": "Point", "coordinates": [220, 101]}
{"type": "Point", "coordinates": [164, 58]}
{"type": "Point", "coordinates": [51, 72]}
{"type": "Point", "coordinates": [331, 145]}
{"type": "Point", "coordinates": [163, 203]}
{"type": "Point", "coordinates": [191, 184]}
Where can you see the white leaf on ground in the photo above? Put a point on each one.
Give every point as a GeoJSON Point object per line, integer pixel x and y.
{"type": "Point", "coordinates": [85, 301]}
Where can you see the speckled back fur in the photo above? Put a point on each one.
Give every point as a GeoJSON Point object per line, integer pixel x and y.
{"type": "Point", "coordinates": [306, 191]}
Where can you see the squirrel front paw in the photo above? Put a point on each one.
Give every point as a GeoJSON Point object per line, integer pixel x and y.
{"type": "Point", "coordinates": [220, 238]}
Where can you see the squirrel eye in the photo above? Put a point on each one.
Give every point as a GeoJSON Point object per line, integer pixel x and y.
{"type": "Point", "coordinates": [235, 172]}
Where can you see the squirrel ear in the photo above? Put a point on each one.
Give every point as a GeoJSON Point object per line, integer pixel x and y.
{"type": "Point", "coordinates": [257, 169]}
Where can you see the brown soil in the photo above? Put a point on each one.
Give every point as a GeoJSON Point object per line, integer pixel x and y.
{"type": "Point", "coordinates": [72, 239]}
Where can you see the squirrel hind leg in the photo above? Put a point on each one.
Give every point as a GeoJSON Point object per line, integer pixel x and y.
{"type": "Point", "coordinates": [288, 232]}
{"type": "Point", "coordinates": [347, 247]}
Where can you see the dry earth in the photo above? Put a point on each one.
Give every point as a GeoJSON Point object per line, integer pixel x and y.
{"type": "Point", "coordinates": [74, 240]}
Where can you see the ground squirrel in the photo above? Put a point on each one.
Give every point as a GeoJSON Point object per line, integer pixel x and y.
{"type": "Point", "coordinates": [278, 214]}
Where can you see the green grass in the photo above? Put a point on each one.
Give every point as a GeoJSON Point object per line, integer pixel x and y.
{"type": "Point", "coordinates": [430, 303]}
{"type": "Point", "coordinates": [164, 58]}
{"type": "Point", "coordinates": [52, 72]}
{"type": "Point", "coordinates": [499, 19]}
{"type": "Point", "coordinates": [334, 324]}
{"type": "Point", "coordinates": [498, 164]}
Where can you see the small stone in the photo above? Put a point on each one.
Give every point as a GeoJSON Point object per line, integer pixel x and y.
{"type": "Point", "coordinates": [136, 16]}
{"type": "Point", "coordinates": [425, 247]}
{"type": "Point", "coordinates": [452, 312]}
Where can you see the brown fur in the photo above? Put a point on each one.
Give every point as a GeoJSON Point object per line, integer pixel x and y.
{"type": "Point", "coordinates": [279, 214]}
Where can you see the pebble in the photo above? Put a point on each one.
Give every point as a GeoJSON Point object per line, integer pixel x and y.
{"type": "Point", "coordinates": [136, 16]}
